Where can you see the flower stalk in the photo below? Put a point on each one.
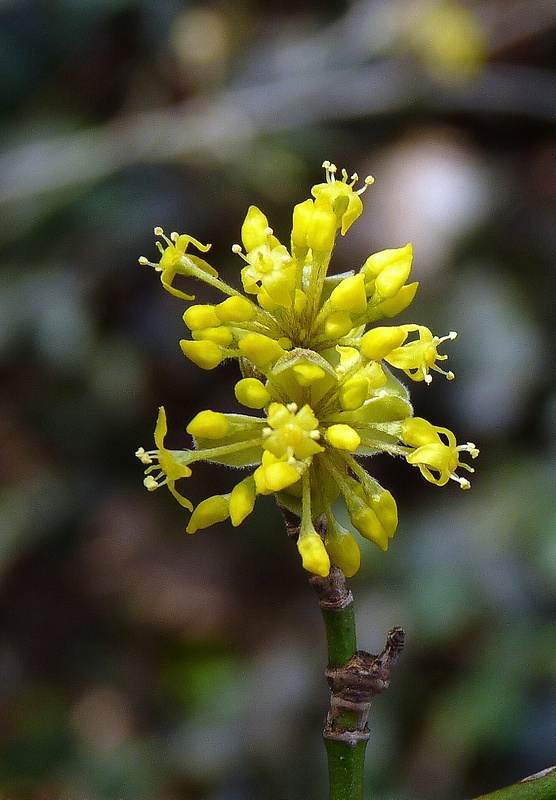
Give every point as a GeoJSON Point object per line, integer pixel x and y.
{"type": "Point", "coordinates": [355, 678]}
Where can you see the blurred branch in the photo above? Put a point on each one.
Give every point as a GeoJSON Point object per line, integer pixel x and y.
{"type": "Point", "coordinates": [541, 786]}
{"type": "Point", "coordinates": [204, 129]}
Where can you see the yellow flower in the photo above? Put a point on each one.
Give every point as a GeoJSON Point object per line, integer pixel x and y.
{"type": "Point", "coordinates": [175, 259]}
{"type": "Point", "coordinates": [437, 458]}
{"type": "Point", "coordinates": [321, 381]}
{"type": "Point", "coordinates": [169, 467]}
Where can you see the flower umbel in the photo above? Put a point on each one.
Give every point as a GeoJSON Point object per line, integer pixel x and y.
{"type": "Point", "coordinates": [318, 368]}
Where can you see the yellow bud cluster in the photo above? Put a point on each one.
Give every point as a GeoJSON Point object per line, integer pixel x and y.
{"type": "Point", "coordinates": [319, 379]}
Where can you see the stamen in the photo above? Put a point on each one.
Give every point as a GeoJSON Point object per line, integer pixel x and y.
{"type": "Point", "coordinates": [236, 250]}
{"type": "Point", "coordinates": [369, 180]}
{"type": "Point", "coordinates": [143, 456]}
{"type": "Point", "coordinates": [158, 231]}
{"type": "Point", "coordinates": [292, 407]}
{"type": "Point", "coordinates": [330, 171]}
{"type": "Point", "coordinates": [470, 448]}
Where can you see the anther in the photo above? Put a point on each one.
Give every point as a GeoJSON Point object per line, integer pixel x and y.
{"type": "Point", "coordinates": [369, 180]}
{"type": "Point", "coordinates": [143, 456]}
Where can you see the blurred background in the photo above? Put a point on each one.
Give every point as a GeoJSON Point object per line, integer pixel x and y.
{"type": "Point", "coordinates": [138, 663]}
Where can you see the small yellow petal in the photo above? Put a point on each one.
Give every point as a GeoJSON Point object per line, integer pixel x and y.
{"type": "Point", "coordinates": [209, 512]}
{"type": "Point", "coordinates": [313, 553]}
{"type": "Point", "coordinates": [198, 317]}
{"type": "Point", "coordinates": [242, 500]}
{"type": "Point", "coordinates": [274, 477]}
{"type": "Point", "coordinates": [322, 227]}
{"type": "Point", "coordinates": [353, 393]}
{"type": "Point", "coordinates": [206, 355]}
{"type": "Point", "coordinates": [344, 437]}
{"type": "Point", "coordinates": [369, 526]}
{"type": "Point", "coordinates": [343, 550]}
{"type": "Point", "coordinates": [302, 213]}
{"type": "Point", "coordinates": [307, 374]}
{"type": "Point", "coordinates": [349, 295]}
{"type": "Point", "coordinates": [261, 350]}
{"type": "Point", "coordinates": [220, 335]}
{"type": "Point", "coordinates": [338, 324]}
{"type": "Point", "coordinates": [377, 343]}
{"type": "Point", "coordinates": [395, 272]}
{"type": "Point", "coordinates": [235, 309]}
{"type": "Point", "coordinates": [395, 305]}
{"type": "Point", "coordinates": [252, 393]}
{"type": "Point", "coordinates": [209, 425]}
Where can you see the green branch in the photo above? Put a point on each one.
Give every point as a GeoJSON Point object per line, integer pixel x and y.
{"type": "Point", "coordinates": [541, 786]}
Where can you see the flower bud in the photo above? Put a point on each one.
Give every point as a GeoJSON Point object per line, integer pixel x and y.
{"type": "Point", "coordinates": [354, 393]}
{"type": "Point", "coordinates": [313, 553]}
{"type": "Point", "coordinates": [206, 355]}
{"type": "Point", "coordinates": [344, 437]}
{"type": "Point", "coordinates": [235, 309]}
{"type": "Point", "coordinates": [274, 475]}
{"type": "Point", "coordinates": [377, 343]}
{"type": "Point", "coordinates": [349, 295]}
{"type": "Point", "coordinates": [209, 425]}
{"type": "Point", "coordinates": [261, 350]}
{"type": "Point", "coordinates": [254, 229]}
{"type": "Point", "coordinates": [338, 324]}
{"type": "Point", "coordinates": [252, 393]}
{"type": "Point", "coordinates": [302, 214]}
{"type": "Point", "coordinates": [342, 547]}
{"type": "Point", "coordinates": [322, 227]}
{"type": "Point", "coordinates": [208, 512]}
{"type": "Point", "coordinates": [201, 316]}
{"type": "Point", "coordinates": [242, 500]}
{"type": "Point", "coordinates": [220, 335]}
{"type": "Point", "coordinates": [395, 305]}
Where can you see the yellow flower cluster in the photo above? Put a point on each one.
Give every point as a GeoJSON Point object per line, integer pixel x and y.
{"type": "Point", "coordinates": [319, 376]}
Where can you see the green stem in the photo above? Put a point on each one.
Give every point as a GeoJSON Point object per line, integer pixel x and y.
{"type": "Point", "coordinates": [345, 761]}
{"type": "Point", "coordinates": [345, 769]}
{"type": "Point", "coordinates": [542, 787]}
{"type": "Point", "coordinates": [355, 677]}
{"type": "Point", "coordinates": [340, 633]}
